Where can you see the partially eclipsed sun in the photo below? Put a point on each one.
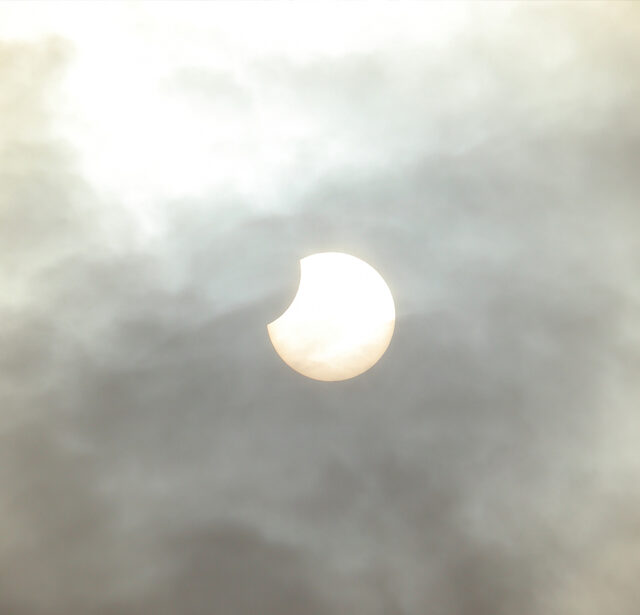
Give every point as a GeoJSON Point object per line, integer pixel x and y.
{"type": "Point", "coordinates": [339, 323]}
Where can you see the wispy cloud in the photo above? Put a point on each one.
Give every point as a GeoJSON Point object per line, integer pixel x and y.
{"type": "Point", "coordinates": [163, 168]}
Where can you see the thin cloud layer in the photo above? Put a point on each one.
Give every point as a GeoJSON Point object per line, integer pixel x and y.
{"type": "Point", "coordinates": [162, 175]}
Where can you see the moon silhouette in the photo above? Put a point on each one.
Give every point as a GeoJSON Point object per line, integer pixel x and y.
{"type": "Point", "coordinates": [339, 323]}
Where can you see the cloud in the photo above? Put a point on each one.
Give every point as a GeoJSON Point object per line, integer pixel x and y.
{"type": "Point", "coordinates": [158, 457]}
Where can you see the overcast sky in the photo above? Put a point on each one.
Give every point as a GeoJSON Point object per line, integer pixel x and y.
{"type": "Point", "coordinates": [163, 167]}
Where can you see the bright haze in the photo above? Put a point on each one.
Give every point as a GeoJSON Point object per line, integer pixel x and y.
{"type": "Point", "coordinates": [163, 169]}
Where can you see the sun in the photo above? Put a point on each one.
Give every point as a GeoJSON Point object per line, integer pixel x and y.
{"type": "Point", "coordinates": [339, 323]}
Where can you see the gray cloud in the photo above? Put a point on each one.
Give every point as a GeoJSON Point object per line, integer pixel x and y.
{"type": "Point", "coordinates": [156, 456]}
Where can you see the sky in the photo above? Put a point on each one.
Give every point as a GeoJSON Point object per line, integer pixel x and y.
{"type": "Point", "coordinates": [163, 169]}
